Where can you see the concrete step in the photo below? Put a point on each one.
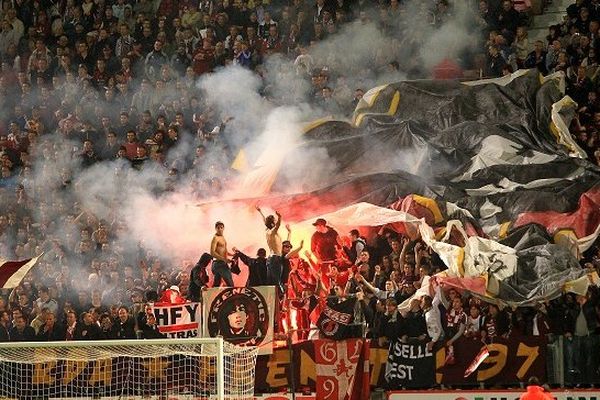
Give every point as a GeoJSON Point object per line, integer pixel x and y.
{"type": "Point", "coordinates": [537, 34]}
{"type": "Point", "coordinates": [556, 8]}
{"type": "Point", "coordinates": [561, 3]}
{"type": "Point", "coordinates": [547, 19]}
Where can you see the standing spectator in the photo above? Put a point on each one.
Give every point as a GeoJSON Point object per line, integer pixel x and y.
{"type": "Point", "coordinates": [45, 301]}
{"type": "Point", "coordinates": [357, 246]}
{"type": "Point", "coordinates": [204, 58]}
{"type": "Point", "coordinates": [155, 60]}
{"type": "Point", "coordinates": [537, 58]}
{"type": "Point", "coordinates": [324, 242]}
{"type": "Point", "coordinates": [508, 18]}
{"type": "Point", "coordinates": [257, 267]}
{"type": "Point", "coordinates": [433, 318]}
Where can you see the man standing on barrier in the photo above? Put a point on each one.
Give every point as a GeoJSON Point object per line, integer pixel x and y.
{"type": "Point", "coordinates": [324, 244]}
{"type": "Point", "coordinates": [221, 261]}
{"type": "Point", "coordinates": [275, 262]}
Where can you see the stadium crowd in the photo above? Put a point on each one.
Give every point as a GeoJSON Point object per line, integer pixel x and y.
{"type": "Point", "coordinates": [98, 81]}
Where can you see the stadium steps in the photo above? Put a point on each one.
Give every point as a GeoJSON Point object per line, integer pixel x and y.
{"type": "Point", "coordinates": [552, 15]}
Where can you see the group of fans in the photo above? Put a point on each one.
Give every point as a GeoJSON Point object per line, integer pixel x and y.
{"type": "Point", "coordinates": [381, 273]}
{"type": "Point", "coordinates": [571, 47]}
{"type": "Point", "coordinates": [88, 82]}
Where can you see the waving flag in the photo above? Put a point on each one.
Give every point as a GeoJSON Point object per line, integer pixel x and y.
{"type": "Point", "coordinates": [13, 272]}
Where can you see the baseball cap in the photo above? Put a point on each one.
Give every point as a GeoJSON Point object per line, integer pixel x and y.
{"type": "Point", "coordinates": [320, 221]}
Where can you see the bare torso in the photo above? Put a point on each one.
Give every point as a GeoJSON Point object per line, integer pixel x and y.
{"type": "Point", "coordinates": [220, 248]}
{"type": "Point", "coordinates": [274, 241]}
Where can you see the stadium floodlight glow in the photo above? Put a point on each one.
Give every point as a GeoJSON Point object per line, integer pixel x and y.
{"type": "Point", "coordinates": [195, 368]}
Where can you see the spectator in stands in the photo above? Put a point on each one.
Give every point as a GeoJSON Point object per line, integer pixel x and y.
{"type": "Point", "coordinates": [537, 58]}
{"type": "Point", "coordinates": [324, 241]}
{"type": "Point", "coordinates": [456, 324]}
{"type": "Point", "coordinates": [150, 327]}
{"type": "Point", "coordinates": [433, 319]}
{"type": "Point", "coordinates": [124, 327]}
{"type": "Point", "coordinates": [71, 325]}
{"type": "Point", "coordinates": [497, 324]}
{"type": "Point", "coordinates": [51, 330]}
{"type": "Point", "coordinates": [475, 322]}
{"type": "Point", "coordinates": [21, 332]}
{"type": "Point", "coordinates": [257, 267]}
{"type": "Point", "coordinates": [86, 328]}
{"type": "Point", "coordinates": [508, 18]}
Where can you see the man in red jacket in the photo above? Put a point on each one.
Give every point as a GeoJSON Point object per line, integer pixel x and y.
{"type": "Point", "coordinates": [535, 391]}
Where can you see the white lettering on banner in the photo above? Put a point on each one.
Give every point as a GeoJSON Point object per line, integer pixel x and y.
{"type": "Point", "coordinates": [489, 395]}
{"type": "Point", "coordinates": [397, 371]}
{"type": "Point", "coordinates": [411, 352]}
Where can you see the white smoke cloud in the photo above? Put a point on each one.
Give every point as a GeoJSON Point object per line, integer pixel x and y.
{"type": "Point", "coordinates": [270, 114]}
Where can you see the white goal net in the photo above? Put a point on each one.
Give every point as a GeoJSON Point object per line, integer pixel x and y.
{"type": "Point", "coordinates": [172, 369]}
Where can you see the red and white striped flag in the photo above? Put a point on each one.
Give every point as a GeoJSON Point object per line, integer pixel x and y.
{"type": "Point", "coordinates": [13, 272]}
{"type": "Point", "coordinates": [479, 358]}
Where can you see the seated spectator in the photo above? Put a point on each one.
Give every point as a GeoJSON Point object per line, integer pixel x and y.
{"type": "Point", "coordinates": [124, 327]}
{"type": "Point", "coordinates": [21, 332]}
{"type": "Point", "coordinates": [86, 329]}
{"type": "Point", "coordinates": [52, 330]}
{"type": "Point", "coordinates": [106, 327]}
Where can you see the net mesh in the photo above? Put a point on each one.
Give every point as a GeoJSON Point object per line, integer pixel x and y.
{"type": "Point", "coordinates": [136, 370]}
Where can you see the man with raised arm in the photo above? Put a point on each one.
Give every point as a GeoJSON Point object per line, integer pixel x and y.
{"type": "Point", "coordinates": [218, 250]}
{"type": "Point", "coordinates": [272, 233]}
{"type": "Point", "coordinates": [275, 262]}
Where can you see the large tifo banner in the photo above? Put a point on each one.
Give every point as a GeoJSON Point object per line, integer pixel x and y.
{"type": "Point", "coordinates": [178, 320]}
{"type": "Point", "coordinates": [243, 316]}
{"type": "Point", "coordinates": [510, 361]}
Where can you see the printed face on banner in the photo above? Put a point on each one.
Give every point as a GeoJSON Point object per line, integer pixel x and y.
{"type": "Point", "coordinates": [240, 315]}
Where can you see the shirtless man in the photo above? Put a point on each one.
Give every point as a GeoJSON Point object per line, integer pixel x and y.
{"type": "Point", "coordinates": [272, 233]}
{"type": "Point", "coordinates": [218, 249]}
{"type": "Point", "coordinates": [277, 264]}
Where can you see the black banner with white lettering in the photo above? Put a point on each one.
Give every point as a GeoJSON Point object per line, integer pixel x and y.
{"type": "Point", "coordinates": [337, 320]}
{"type": "Point", "coordinates": [410, 366]}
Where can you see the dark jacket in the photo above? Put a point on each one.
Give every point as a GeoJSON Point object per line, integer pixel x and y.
{"type": "Point", "coordinates": [27, 335]}
{"type": "Point", "coordinates": [124, 330]}
{"type": "Point", "coordinates": [57, 333]}
{"type": "Point", "coordinates": [198, 278]}
{"type": "Point", "coordinates": [257, 270]}
{"type": "Point", "coordinates": [87, 332]}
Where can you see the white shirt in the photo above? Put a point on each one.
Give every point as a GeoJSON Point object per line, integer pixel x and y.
{"type": "Point", "coordinates": [433, 318]}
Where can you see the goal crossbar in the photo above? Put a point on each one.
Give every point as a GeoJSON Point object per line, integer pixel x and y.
{"type": "Point", "coordinates": [229, 364]}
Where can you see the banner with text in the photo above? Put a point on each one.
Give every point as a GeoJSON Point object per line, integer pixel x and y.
{"type": "Point", "coordinates": [511, 361]}
{"type": "Point", "coordinates": [243, 316]}
{"type": "Point", "coordinates": [410, 365]}
{"type": "Point", "coordinates": [178, 320]}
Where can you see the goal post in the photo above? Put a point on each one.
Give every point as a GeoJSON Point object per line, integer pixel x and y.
{"type": "Point", "coordinates": [186, 369]}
